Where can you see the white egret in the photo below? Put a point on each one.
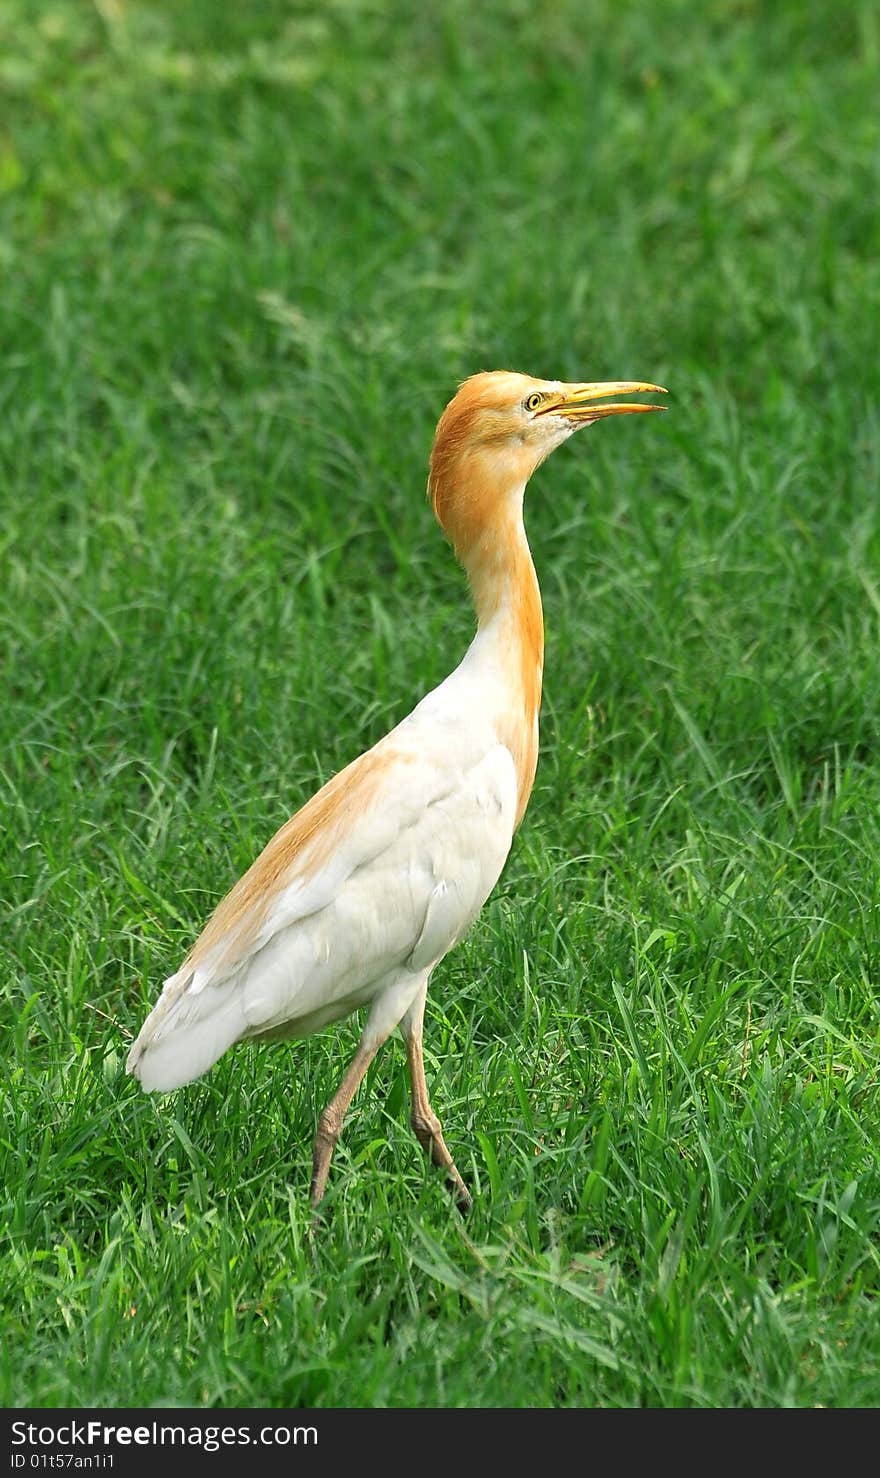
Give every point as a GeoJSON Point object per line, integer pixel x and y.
{"type": "Point", "coordinates": [358, 897]}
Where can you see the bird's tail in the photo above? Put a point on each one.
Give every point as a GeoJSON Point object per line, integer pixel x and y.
{"type": "Point", "coordinates": [186, 1032]}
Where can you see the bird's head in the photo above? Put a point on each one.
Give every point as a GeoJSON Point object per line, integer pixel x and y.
{"type": "Point", "coordinates": [498, 428]}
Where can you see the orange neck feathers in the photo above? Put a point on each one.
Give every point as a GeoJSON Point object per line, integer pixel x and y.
{"type": "Point", "coordinates": [476, 488]}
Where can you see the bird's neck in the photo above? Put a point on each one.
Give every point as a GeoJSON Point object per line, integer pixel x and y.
{"type": "Point", "coordinates": [509, 644]}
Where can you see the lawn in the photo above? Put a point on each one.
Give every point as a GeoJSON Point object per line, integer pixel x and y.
{"type": "Point", "coordinates": [247, 252]}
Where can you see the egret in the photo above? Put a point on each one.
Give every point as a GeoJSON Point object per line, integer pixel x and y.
{"type": "Point", "coordinates": [358, 897]}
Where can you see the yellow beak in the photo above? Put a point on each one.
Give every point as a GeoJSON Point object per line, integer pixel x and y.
{"type": "Point", "coordinates": [576, 402]}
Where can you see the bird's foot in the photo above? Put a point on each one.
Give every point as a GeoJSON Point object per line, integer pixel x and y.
{"type": "Point", "coordinates": [463, 1199]}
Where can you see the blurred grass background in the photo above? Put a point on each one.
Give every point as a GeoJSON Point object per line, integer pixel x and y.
{"type": "Point", "coordinates": [247, 252]}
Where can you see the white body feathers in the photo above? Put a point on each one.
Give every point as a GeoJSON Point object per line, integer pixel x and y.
{"type": "Point", "coordinates": [365, 914]}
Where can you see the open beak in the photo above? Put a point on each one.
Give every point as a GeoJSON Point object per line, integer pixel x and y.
{"type": "Point", "coordinates": [576, 403]}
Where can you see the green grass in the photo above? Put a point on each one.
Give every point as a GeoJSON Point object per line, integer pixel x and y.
{"type": "Point", "coordinates": [247, 252]}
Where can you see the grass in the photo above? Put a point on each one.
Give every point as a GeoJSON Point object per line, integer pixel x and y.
{"type": "Point", "coordinates": [247, 253]}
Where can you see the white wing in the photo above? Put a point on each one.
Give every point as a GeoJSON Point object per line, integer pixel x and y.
{"type": "Point", "coordinates": [403, 854]}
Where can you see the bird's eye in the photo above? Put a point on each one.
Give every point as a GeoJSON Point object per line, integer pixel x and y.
{"type": "Point", "coordinates": [533, 401]}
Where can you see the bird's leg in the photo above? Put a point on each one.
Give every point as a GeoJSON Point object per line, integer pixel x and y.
{"type": "Point", "coordinates": [427, 1126]}
{"type": "Point", "coordinates": [331, 1120]}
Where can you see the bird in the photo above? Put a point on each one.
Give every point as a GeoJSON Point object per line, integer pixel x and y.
{"type": "Point", "coordinates": [359, 896]}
